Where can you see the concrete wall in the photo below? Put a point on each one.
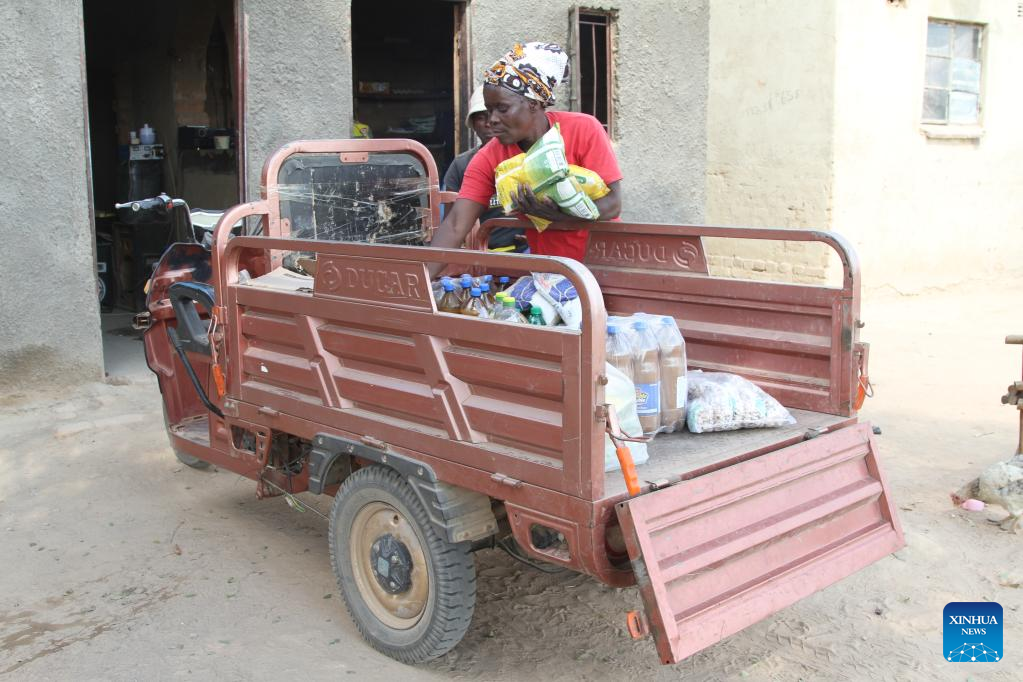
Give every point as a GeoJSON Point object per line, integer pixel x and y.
{"type": "Point", "coordinates": [769, 132]}
{"type": "Point", "coordinates": [299, 83]}
{"type": "Point", "coordinates": [49, 314]}
{"type": "Point", "coordinates": [661, 92]}
{"type": "Point", "coordinates": [926, 212]}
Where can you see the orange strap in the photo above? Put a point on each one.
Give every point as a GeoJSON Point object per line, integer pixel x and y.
{"type": "Point", "coordinates": [628, 469]}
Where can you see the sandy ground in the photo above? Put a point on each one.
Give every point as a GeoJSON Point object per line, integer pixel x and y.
{"type": "Point", "coordinates": [119, 563]}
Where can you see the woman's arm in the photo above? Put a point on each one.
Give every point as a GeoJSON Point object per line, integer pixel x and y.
{"type": "Point", "coordinates": [455, 227]}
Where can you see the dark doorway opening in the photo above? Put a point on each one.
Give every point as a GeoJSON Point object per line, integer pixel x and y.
{"type": "Point", "coordinates": [169, 66]}
{"type": "Point", "coordinates": [410, 72]}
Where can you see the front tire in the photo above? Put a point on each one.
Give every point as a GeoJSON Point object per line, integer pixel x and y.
{"type": "Point", "coordinates": [183, 457]}
{"type": "Point", "coordinates": [410, 592]}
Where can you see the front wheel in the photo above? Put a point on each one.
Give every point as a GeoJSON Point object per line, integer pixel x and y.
{"type": "Point", "coordinates": [410, 592]}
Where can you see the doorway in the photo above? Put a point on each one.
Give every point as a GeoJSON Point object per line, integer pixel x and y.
{"type": "Point", "coordinates": [163, 117]}
{"type": "Point", "coordinates": [410, 67]}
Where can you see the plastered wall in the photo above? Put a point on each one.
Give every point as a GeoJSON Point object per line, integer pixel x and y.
{"type": "Point", "coordinates": [814, 121]}
{"type": "Point", "coordinates": [925, 212]}
{"type": "Point", "coordinates": [299, 83]}
{"type": "Point", "coordinates": [770, 112]}
{"type": "Point", "coordinates": [49, 312]}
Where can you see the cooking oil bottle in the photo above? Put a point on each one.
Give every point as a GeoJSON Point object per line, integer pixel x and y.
{"type": "Point", "coordinates": [449, 302]}
{"type": "Point", "coordinates": [488, 298]}
{"type": "Point", "coordinates": [466, 286]}
{"type": "Point", "coordinates": [475, 305]}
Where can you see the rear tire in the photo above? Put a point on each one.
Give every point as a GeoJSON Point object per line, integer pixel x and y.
{"type": "Point", "coordinates": [410, 592]}
{"type": "Point", "coordinates": [191, 460]}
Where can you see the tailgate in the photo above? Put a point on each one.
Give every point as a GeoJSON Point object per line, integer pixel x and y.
{"type": "Point", "coordinates": [716, 553]}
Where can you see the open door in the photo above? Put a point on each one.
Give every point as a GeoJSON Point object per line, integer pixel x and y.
{"type": "Point", "coordinates": [719, 552]}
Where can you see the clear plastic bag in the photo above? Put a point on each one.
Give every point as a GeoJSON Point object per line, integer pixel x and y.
{"type": "Point", "coordinates": [726, 402]}
{"type": "Point", "coordinates": [647, 375]}
{"type": "Point", "coordinates": [620, 394]}
{"type": "Point", "coordinates": [674, 384]}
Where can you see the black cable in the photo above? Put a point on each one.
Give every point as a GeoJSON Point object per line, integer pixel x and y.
{"type": "Point", "coordinates": [529, 562]}
{"type": "Point", "coordinates": [176, 342]}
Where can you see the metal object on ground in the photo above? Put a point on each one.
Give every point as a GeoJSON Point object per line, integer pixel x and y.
{"type": "Point", "coordinates": [1014, 394]}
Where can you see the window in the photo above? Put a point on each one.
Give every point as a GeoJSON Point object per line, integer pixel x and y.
{"type": "Point", "coordinates": [593, 88]}
{"type": "Point", "coordinates": [952, 75]}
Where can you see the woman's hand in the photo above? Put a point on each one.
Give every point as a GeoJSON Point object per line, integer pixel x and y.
{"type": "Point", "coordinates": [527, 202]}
{"type": "Point", "coordinates": [609, 206]}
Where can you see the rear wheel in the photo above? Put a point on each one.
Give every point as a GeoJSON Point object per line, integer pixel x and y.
{"type": "Point", "coordinates": [410, 592]}
{"type": "Point", "coordinates": [191, 460]}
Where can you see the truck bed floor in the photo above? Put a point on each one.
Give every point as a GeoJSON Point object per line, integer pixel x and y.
{"type": "Point", "coordinates": [692, 454]}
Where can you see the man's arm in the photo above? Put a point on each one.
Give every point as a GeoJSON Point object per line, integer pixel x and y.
{"type": "Point", "coordinates": [455, 228]}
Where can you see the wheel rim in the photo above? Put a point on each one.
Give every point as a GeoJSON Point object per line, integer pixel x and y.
{"type": "Point", "coordinates": [389, 565]}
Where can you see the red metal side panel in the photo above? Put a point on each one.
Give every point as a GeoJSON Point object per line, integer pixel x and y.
{"type": "Point", "coordinates": [720, 552]}
{"type": "Point", "coordinates": [794, 341]}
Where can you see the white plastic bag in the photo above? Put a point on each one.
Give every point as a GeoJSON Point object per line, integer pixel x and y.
{"type": "Point", "coordinates": [726, 402]}
{"type": "Point", "coordinates": [527, 297]}
{"type": "Point", "coordinates": [620, 394]}
{"type": "Point", "coordinates": [559, 292]}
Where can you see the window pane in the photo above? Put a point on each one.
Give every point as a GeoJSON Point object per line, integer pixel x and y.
{"type": "Point", "coordinates": [962, 107]}
{"type": "Point", "coordinates": [937, 72]}
{"type": "Point", "coordinates": [967, 42]}
{"type": "Point", "coordinates": [939, 38]}
{"type": "Point", "coordinates": [965, 75]}
{"type": "Point", "coordinates": [935, 105]}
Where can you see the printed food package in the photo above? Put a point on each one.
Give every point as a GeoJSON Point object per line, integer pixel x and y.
{"type": "Point", "coordinates": [726, 402]}
{"type": "Point", "coordinates": [559, 292]}
{"type": "Point", "coordinates": [527, 297]}
{"type": "Point", "coordinates": [545, 169]}
{"type": "Point", "coordinates": [620, 394]}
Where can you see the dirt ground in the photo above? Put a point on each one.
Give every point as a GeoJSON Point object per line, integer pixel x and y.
{"type": "Point", "coordinates": [120, 564]}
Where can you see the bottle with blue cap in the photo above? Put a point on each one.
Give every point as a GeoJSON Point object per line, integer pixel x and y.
{"type": "Point", "coordinates": [449, 302]}
{"type": "Point", "coordinates": [475, 305]}
{"type": "Point", "coordinates": [674, 382]}
{"type": "Point", "coordinates": [488, 298]}
{"type": "Point", "coordinates": [466, 285]}
{"type": "Point", "coordinates": [646, 356]}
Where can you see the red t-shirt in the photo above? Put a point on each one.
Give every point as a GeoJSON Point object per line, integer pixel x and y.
{"type": "Point", "coordinates": [586, 145]}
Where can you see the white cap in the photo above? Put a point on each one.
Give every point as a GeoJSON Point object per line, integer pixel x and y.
{"type": "Point", "coordinates": [476, 105]}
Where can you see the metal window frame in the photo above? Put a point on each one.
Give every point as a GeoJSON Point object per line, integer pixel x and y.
{"type": "Point", "coordinates": [609, 17]}
{"type": "Point", "coordinates": [981, 49]}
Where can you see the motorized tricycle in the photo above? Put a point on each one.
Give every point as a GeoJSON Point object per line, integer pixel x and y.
{"type": "Point", "coordinates": [304, 350]}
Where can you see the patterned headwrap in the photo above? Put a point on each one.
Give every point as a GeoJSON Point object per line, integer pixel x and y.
{"type": "Point", "coordinates": [531, 70]}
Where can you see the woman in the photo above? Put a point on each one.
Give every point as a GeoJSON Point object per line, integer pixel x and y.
{"type": "Point", "coordinates": [517, 91]}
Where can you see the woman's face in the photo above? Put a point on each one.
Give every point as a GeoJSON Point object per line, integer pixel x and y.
{"type": "Point", "coordinates": [512, 117]}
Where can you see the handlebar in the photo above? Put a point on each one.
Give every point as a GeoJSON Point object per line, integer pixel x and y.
{"type": "Point", "coordinates": [160, 201]}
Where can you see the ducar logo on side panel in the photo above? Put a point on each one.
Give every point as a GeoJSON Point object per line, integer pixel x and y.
{"type": "Point", "coordinates": [366, 279]}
